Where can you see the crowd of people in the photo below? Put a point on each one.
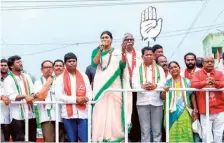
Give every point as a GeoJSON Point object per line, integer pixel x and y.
{"type": "Point", "coordinates": [124, 68]}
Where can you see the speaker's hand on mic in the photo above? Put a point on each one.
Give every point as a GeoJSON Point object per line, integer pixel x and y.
{"type": "Point", "coordinates": [101, 46]}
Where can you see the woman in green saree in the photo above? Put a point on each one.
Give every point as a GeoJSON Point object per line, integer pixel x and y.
{"type": "Point", "coordinates": [108, 113]}
{"type": "Point", "coordinates": [180, 106]}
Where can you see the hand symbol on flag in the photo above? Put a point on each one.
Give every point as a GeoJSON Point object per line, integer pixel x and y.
{"type": "Point", "coordinates": [150, 27]}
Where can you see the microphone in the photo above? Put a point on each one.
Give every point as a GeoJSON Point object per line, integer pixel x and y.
{"type": "Point", "coordinates": [101, 47]}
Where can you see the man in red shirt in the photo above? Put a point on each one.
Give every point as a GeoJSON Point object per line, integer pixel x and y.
{"type": "Point", "coordinates": [208, 77]}
{"type": "Point", "coordinates": [191, 68]}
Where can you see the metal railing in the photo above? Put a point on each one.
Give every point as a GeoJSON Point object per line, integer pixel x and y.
{"type": "Point", "coordinates": [207, 90]}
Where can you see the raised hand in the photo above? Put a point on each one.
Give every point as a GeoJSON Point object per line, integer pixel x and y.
{"type": "Point", "coordinates": [150, 27]}
{"type": "Point", "coordinates": [101, 46]}
{"type": "Point", "coordinates": [50, 80]}
{"type": "Point", "coordinates": [124, 47]}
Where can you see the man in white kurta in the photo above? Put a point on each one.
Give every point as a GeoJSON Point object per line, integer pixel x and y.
{"type": "Point", "coordinates": [18, 86]}
{"type": "Point", "coordinates": [75, 122]}
{"type": "Point", "coordinates": [133, 59]}
{"type": "Point", "coordinates": [44, 91]}
{"type": "Point", "coordinates": [4, 111]}
{"type": "Point", "coordinates": [5, 117]}
{"type": "Point", "coordinates": [149, 76]}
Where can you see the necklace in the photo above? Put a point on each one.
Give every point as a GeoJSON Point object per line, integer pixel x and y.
{"type": "Point", "coordinates": [108, 63]}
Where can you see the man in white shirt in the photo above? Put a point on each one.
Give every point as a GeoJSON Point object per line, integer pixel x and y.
{"type": "Point", "coordinates": [45, 92]}
{"type": "Point", "coordinates": [5, 122]}
{"type": "Point", "coordinates": [58, 67]}
{"type": "Point", "coordinates": [19, 87]}
{"type": "Point", "coordinates": [4, 119]}
{"type": "Point", "coordinates": [4, 69]}
{"type": "Point", "coordinates": [149, 76]}
{"type": "Point", "coordinates": [73, 86]}
{"type": "Point", "coordinates": [133, 58]}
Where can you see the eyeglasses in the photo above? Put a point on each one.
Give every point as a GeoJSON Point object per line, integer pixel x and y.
{"type": "Point", "coordinates": [127, 40]}
{"type": "Point", "coordinates": [106, 37]}
{"type": "Point", "coordinates": [209, 62]}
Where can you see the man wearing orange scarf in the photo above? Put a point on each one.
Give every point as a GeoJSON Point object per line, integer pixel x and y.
{"type": "Point", "coordinates": [73, 86]}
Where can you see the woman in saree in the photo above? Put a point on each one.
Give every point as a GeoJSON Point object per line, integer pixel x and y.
{"type": "Point", "coordinates": [108, 113]}
{"type": "Point", "coordinates": [181, 103]}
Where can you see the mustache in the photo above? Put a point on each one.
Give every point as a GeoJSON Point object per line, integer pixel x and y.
{"type": "Point", "coordinates": [58, 69]}
{"type": "Point", "coordinates": [165, 65]}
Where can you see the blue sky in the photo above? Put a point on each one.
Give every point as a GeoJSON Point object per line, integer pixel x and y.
{"type": "Point", "coordinates": [35, 33]}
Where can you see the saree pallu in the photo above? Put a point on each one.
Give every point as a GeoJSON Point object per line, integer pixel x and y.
{"type": "Point", "coordinates": [108, 113]}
